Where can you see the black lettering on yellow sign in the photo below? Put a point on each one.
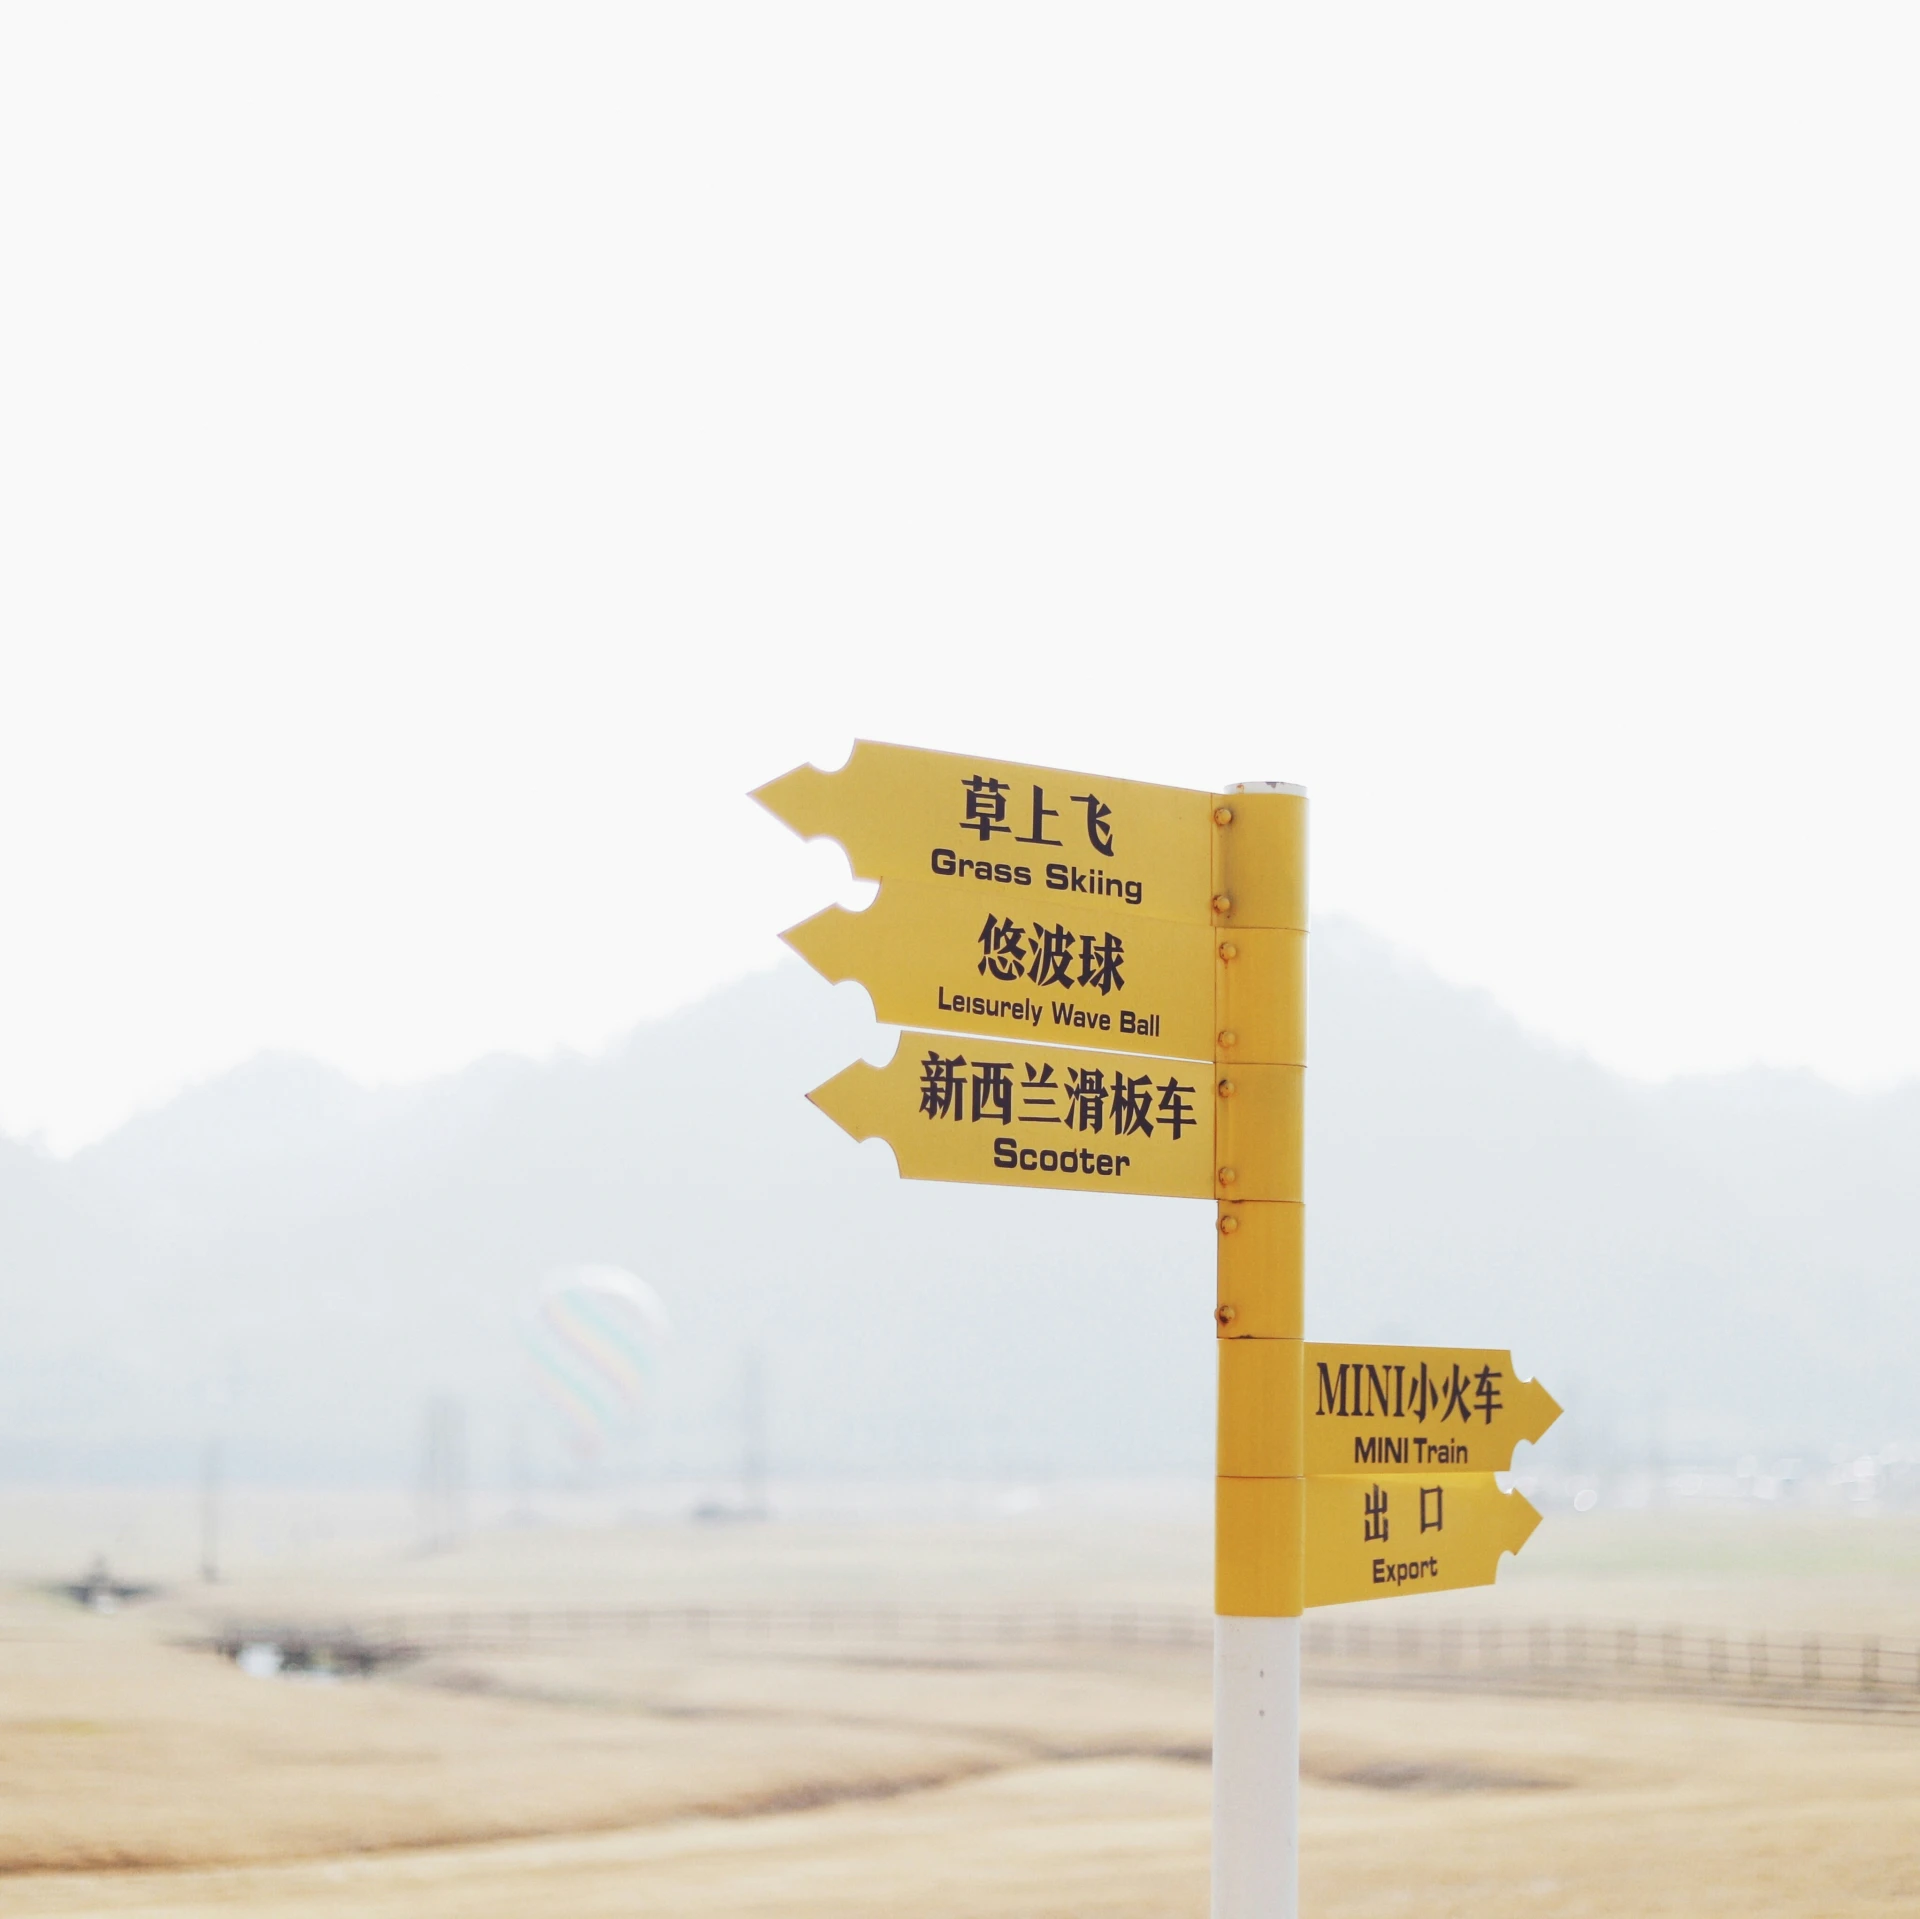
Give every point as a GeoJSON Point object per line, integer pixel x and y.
{"type": "Point", "coordinates": [978, 1006]}
{"type": "Point", "coordinates": [1010, 1156]}
{"type": "Point", "coordinates": [1406, 1392]}
{"type": "Point", "coordinates": [1070, 879]}
{"type": "Point", "coordinates": [1092, 1099]}
{"type": "Point", "coordinates": [1062, 1013]}
{"type": "Point", "coordinates": [1405, 1572]}
{"type": "Point", "coordinates": [1376, 1517]}
{"type": "Point", "coordinates": [1086, 1019]}
{"type": "Point", "coordinates": [952, 866]}
{"type": "Point", "coordinates": [985, 801]}
{"type": "Point", "coordinates": [1415, 1449]}
{"type": "Point", "coordinates": [1059, 876]}
{"type": "Point", "coordinates": [1377, 1513]}
{"type": "Point", "coordinates": [1012, 949]}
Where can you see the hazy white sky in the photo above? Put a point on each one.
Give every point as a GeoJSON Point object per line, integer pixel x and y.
{"type": "Point", "coordinates": [448, 454]}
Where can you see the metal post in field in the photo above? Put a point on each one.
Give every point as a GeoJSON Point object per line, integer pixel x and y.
{"type": "Point", "coordinates": [1260, 1499]}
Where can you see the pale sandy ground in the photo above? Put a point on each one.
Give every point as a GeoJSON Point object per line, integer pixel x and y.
{"type": "Point", "coordinates": [141, 1776]}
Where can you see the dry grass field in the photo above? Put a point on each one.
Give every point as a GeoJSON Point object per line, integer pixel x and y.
{"type": "Point", "coordinates": [142, 1774]}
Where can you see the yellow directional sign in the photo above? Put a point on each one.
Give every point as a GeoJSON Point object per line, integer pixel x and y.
{"type": "Point", "coordinates": [1382, 1537]}
{"type": "Point", "coordinates": [994, 830]}
{"type": "Point", "coordinates": [1078, 976]}
{"type": "Point", "coordinates": [1006, 1113]}
{"type": "Point", "coordinates": [1418, 1409]}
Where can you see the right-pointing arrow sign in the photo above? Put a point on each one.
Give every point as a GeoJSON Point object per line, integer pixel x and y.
{"type": "Point", "coordinates": [1381, 1538]}
{"type": "Point", "coordinates": [1418, 1409]}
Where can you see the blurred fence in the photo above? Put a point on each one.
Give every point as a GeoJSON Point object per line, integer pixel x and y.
{"type": "Point", "coordinates": [1355, 1647]}
{"type": "Point", "coordinates": [1589, 1658]}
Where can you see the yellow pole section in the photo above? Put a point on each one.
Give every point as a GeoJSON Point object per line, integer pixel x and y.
{"type": "Point", "coordinates": [1260, 916]}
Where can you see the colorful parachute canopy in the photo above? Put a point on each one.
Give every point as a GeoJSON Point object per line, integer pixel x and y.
{"type": "Point", "coordinates": [594, 1336]}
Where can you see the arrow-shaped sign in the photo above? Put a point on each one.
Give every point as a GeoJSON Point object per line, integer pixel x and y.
{"type": "Point", "coordinates": [1418, 1409]}
{"type": "Point", "coordinates": [1004, 1113]}
{"type": "Point", "coordinates": [1011, 834]}
{"type": "Point", "coordinates": [1384, 1537]}
{"type": "Point", "coordinates": [1081, 975]}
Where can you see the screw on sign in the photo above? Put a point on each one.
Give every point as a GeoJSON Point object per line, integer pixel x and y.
{"type": "Point", "coordinates": [1104, 990]}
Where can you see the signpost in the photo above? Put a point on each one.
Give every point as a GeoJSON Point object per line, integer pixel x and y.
{"type": "Point", "coordinates": [1107, 986]}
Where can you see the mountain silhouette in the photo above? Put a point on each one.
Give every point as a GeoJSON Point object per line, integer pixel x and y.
{"type": "Point", "coordinates": [1697, 1269]}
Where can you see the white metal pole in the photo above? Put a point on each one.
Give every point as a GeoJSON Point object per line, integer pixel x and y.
{"type": "Point", "coordinates": [1256, 1768]}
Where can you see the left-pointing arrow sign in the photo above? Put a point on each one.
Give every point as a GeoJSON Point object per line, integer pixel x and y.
{"type": "Point", "coordinates": [1079, 974]}
{"type": "Point", "coordinates": [990, 828]}
{"type": "Point", "coordinates": [1005, 1113]}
